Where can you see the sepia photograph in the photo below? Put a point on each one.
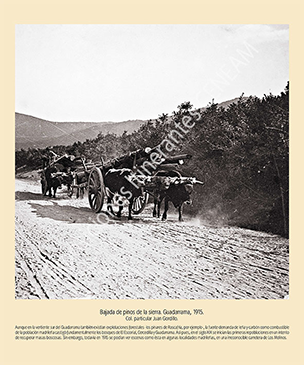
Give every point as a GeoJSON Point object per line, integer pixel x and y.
{"type": "Point", "coordinates": [152, 161]}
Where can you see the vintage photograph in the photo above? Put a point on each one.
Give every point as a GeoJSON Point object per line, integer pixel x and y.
{"type": "Point", "coordinates": [152, 161]}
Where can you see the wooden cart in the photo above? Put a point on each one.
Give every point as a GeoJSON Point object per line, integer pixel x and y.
{"type": "Point", "coordinates": [134, 161]}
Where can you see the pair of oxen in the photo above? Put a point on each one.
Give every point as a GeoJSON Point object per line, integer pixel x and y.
{"type": "Point", "coordinates": [52, 178]}
{"type": "Point", "coordinates": [178, 194]}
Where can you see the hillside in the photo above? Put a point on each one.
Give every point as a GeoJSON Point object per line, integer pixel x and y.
{"type": "Point", "coordinates": [32, 132]}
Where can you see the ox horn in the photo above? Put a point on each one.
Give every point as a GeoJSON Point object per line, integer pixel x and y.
{"type": "Point", "coordinates": [199, 182]}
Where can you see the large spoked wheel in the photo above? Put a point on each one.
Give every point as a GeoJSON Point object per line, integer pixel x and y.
{"type": "Point", "coordinates": [139, 203]}
{"type": "Point", "coordinates": [96, 190]}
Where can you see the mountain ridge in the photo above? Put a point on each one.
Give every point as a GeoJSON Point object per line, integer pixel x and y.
{"type": "Point", "coordinates": [34, 132]}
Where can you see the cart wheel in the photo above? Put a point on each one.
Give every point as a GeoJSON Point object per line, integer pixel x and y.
{"type": "Point", "coordinates": [139, 203]}
{"type": "Point", "coordinates": [96, 190]}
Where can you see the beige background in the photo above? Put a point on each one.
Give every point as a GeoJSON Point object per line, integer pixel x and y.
{"type": "Point", "coordinates": [220, 312]}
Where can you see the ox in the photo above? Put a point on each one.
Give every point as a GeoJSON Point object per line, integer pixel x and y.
{"type": "Point", "coordinates": [67, 179]}
{"type": "Point", "coordinates": [117, 181]}
{"type": "Point", "coordinates": [50, 181]}
{"type": "Point", "coordinates": [79, 180]}
{"type": "Point", "coordinates": [177, 194]}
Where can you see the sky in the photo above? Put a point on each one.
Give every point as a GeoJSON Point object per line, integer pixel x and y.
{"type": "Point", "coordinates": [98, 73]}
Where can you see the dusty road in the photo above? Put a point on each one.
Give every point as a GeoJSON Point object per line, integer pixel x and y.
{"type": "Point", "coordinates": [64, 250]}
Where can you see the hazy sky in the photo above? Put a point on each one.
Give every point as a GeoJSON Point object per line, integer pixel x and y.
{"type": "Point", "coordinates": [121, 72]}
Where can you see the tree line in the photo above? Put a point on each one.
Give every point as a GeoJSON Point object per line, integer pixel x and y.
{"type": "Point", "coordinates": [241, 153]}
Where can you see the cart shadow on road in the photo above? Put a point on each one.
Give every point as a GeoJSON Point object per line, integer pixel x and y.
{"type": "Point", "coordinates": [64, 213]}
{"type": "Point", "coordinates": [27, 195]}
{"type": "Point", "coordinates": [84, 215]}
{"type": "Point", "coordinates": [79, 214]}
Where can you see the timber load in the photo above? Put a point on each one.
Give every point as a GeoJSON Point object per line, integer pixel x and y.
{"type": "Point", "coordinates": [163, 182]}
{"type": "Point", "coordinates": [135, 159]}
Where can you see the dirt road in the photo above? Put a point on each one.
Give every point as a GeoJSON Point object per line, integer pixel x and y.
{"type": "Point", "coordinates": [64, 250]}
